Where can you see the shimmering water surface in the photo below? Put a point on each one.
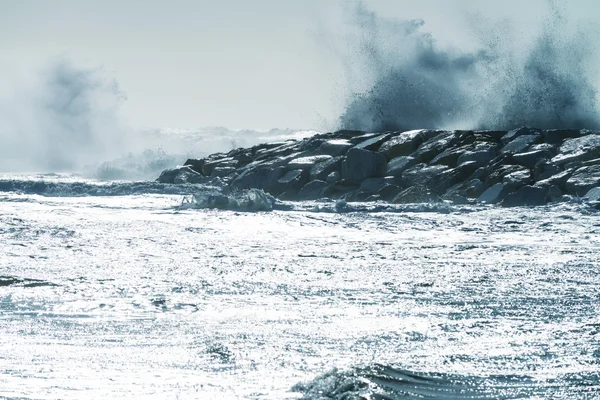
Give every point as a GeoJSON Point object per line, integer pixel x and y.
{"type": "Point", "coordinates": [134, 297]}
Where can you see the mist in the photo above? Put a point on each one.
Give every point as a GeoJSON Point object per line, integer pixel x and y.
{"type": "Point", "coordinates": [547, 80]}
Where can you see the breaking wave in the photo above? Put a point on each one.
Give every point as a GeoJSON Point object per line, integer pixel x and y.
{"type": "Point", "coordinates": [381, 382]}
{"type": "Point", "coordinates": [546, 81]}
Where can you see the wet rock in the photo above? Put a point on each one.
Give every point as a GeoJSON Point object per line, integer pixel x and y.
{"type": "Point", "coordinates": [210, 165]}
{"type": "Point", "coordinates": [178, 175]}
{"type": "Point", "coordinates": [557, 136]}
{"type": "Point", "coordinates": [494, 194]}
{"type": "Point", "coordinates": [373, 143]}
{"type": "Point", "coordinates": [222, 172]}
{"type": "Point", "coordinates": [544, 169]}
{"type": "Point", "coordinates": [518, 178]}
{"type": "Point", "coordinates": [415, 194]}
{"type": "Point", "coordinates": [434, 146]}
{"type": "Point", "coordinates": [321, 170]}
{"type": "Point", "coordinates": [259, 178]}
{"type": "Point", "coordinates": [592, 194]}
{"type": "Point", "coordinates": [294, 180]}
{"type": "Point", "coordinates": [335, 147]}
{"type": "Point", "coordinates": [531, 158]}
{"type": "Point", "coordinates": [312, 190]}
{"type": "Point", "coordinates": [521, 143]}
{"type": "Point", "coordinates": [496, 176]}
{"type": "Point", "coordinates": [526, 196]}
{"type": "Point", "coordinates": [388, 192]}
{"type": "Point", "coordinates": [450, 156]}
{"type": "Point", "coordinates": [494, 135]}
{"type": "Point", "coordinates": [482, 154]}
{"type": "Point", "coordinates": [195, 164]}
{"type": "Point", "coordinates": [578, 150]}
{"type": "Point", "coordinates": [436, 178]}
{"type": "Point", "coordinates": [334, 176]}
{"type": "Point", "coordinates": [362, 164]}
{"type": "Point", "coordinates": [469, 189]}
{"type": "Point", "coordinates": [583, 180]}
{"type": "Point", "coordinates": [307, 163]}
{"type": "Point", "coordinates": [515, 133]}
{"type": "Point", "coordinates": [401, 145]}
{"type": "Point", "coordinates": [373, 185]}
{"type": "Point", "coordinates": [559, 180]}
{"type": "Point", "coordinates": [399, 164]}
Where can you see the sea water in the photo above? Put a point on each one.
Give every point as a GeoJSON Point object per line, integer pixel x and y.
{"type": "Point", "coordinates": [116, 290]}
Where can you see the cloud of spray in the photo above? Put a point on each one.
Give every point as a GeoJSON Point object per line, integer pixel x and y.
{"type": "Point", "coordinates": [544, 81]}
{"type": "Point", "coordinates": [60, 119]}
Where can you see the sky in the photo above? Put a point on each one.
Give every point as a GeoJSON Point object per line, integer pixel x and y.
{"type": "Point", "coordinates": [240, 64]}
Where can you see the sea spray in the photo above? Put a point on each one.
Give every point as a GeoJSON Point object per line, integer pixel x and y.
{"type": "Point", "coordinates": [546, 81]}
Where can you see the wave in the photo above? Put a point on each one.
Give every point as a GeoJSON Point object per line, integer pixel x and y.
{"type": "Point", "coordinates": [546, 80]}
{"type": "Point", "coordinates": [382, 382]}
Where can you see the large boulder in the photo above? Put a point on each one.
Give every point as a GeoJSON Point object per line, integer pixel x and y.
{"type": "Point", "coordinates": [322, 169]}
{"type": "Point", "coordinates": [482, 154]}
{"type": "Point", "coordinates": [495, 193]}
{"type": "Point", "coordinates": [521, 143]}
{"type": "Point", "coordinates": [583, 180]}
{"type": "Point", "coordinates": [526, 196]}
{"type": "Point", "coordinates": [373, 143]}
{"type": "Point", "coordinates": [398, 165]}
{"type": "Point", "coordinates": [373, 185]}
{"type": "Point", "coordinates": [593, 194]}
{"type": "Point", "coordinates": [362, 164]}
{"type": "Point", "coordinates": [530, 158]}
{"type": "Point", "coordinates": [434, 146]}
{"type": "Point", "coordinates": [557, 136]}
{"type": "Point", "coordinates": [415, 194]}
{"type": "Point", "coordinates": [211, 164]}
{"type": "Point", "coordinates": [334, 147]}
{"type": "Point", "coordinates": [401, 145]}
{"type": "Point", "coordinates": [179, 175]}
{"type": "Point", "coordinates": [195, 164]}
{"type": "Point", "coordinates": [312, 190]}
{"type": "Point", "coordinates": [307, 163]}
{"type": "Point", "coordinates": [579, 149]}
{"type": "Point", "coordinates": [259, 178]}
{"type": "Point", "coordinates": [293, 180]}
{"type": "Point", "coordinates": [515, 133]}
{"type": "Point", "coordinates": [450, 156]}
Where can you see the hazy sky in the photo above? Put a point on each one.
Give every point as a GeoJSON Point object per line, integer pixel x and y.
{"type": "Point", "coordinates": [240, 64]}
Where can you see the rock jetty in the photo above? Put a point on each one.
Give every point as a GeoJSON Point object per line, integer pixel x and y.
{"type": "Point", "coordinates": [521, 167]}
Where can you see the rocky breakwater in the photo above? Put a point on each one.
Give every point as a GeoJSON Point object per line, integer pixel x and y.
{"type": "Point", "coordinates": [521, 167]}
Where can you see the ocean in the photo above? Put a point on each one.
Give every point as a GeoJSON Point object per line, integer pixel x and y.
{"type": "Point", "coordinates": [120, 289]}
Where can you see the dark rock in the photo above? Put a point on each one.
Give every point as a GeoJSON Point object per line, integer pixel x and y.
{"type": "Point", "coordinates": [515, 133]}
{"type": "Point", "coordinates": [518, 178]}
{"type": "Point", "coordinates": [362, 164]}
{"type": "Point", "coordinates": [423, 175]}
{"type": "Point", "coordinates": [557, 136]}
{"type": "Point", "coordinates": [334, 147]}
{"type": "Point", "coordinates": [311, 144]}
{"type": "Point", "coordinates": [401, 145]}
{"type": "Point", "coordinates": [494, 135]}
{"type": "Point", "coordinates": [222, 172]}
{"type": "Point", "coordinates": [526, 196]}
{"type": "Point", "coordinates": [307, 162]}
{"type": "Point", "coordinates": [545, 169]}
{"type": "Point", "coordinates": [195, 164]}
{"type": "Point", "coordinates": [321, 170]}
{"type": "Point", "coordinates": [481, 154]}
{"type": "Point", "coordinates": [469, 189]}
{"type": "Point", "coordinates": [450, 156]}
{"type": "Point", "coordinates": [415, 194]}
{"type": "Point", "coordinates": [531, 158]}
{"type": "Point", "coordinates": [334, 176]}
{"type": "Point", "coordinates": [494, 194]}
{"type": "Point", "coordinates": [179, 175]}
{"type": "Point", "coordinates": [373, 185]}
{"type": "Point", "coordinates": [559, 180]}
{"type": "Point", "coordinates": [434, 146]}
{"type": "Point", "coordinates": [579, 149]}
{"type": "Point", "coordinates": [497, 175]}
{"type": "Point", "coordinates": [592, 194]}
{"type": "Point", "coordinates": [521, 143]}
{"type": "Point", "coordinates": [399, 164]}
{"type": "Point", "coordinates": [294, 179]}
{"type": "Point", "coordinates": [373, 143]}
{"type": "Point", "coordinates": [388, 192]}
{"type": "Point", "coordinates": [312, 190]}
{"type": "Point", "coordinates": [583, 180]}
{"type": "Point", "coordinates": [259, 178]}
{"type": "Point", "coordinates": [554, 193]}
{"type": "Point", "coordinates": [210, 165]}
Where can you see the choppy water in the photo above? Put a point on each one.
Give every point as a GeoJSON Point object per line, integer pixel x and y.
{"type": "Point", "coordinates": [130, 296]}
